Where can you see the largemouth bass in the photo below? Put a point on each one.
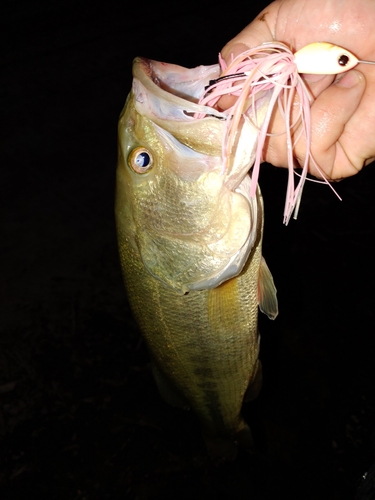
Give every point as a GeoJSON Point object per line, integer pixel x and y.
{"type": "Point", "coordinates": [190, 238]}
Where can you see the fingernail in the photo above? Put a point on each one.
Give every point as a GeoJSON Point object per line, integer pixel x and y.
{"type": "Point", "coordinates": [349, 79]}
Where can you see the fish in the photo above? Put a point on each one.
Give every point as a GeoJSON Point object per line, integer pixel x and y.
{"type": "Point", "coordinates": [190, 245]}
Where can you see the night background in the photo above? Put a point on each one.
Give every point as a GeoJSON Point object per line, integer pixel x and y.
{"type": "Point", "coordinates": [80, 415]}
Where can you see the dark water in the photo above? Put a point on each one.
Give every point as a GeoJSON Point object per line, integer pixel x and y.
{"type": "Point", "coordinates": [80, 416]}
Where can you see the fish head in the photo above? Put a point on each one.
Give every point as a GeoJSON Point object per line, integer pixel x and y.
{"type": "Point", "coordinates": [192, 222]}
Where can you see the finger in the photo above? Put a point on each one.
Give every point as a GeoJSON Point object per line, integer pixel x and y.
{"type": "Point", "coordinates": [331, 113]}
{"type": "Point", "coordinates": [227, 101]}
{"type": "Point", "coordinates": [317, 83]}
{"type": "Point", "coordinates": [275, 148]}
{"type": "Point", "coordinates": [331, 133]}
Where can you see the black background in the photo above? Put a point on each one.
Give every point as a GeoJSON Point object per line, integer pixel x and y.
{"type": "Point", "coordinates": [80, 415]}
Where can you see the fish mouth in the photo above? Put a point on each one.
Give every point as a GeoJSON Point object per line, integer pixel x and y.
{"type": "Point", "coordinates": [168, 95]}
{"type": "Point", "coordinates": [184, 86]}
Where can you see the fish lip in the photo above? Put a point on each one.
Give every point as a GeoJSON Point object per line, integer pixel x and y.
{"type": "Point", "coordinates": [147, 68]}
{"type": "Point", "coordinates": [145, 64]}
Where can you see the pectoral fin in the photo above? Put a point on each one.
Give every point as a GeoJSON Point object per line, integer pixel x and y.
{"type": "Point", "coordinates": [267, 291]}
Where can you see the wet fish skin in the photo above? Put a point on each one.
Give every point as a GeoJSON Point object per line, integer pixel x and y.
{"type": "Point", "coordinates": [190, 249]}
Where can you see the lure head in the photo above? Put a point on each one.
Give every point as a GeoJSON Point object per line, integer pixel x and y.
{"type": "Point", "coordinates": [322, 58]}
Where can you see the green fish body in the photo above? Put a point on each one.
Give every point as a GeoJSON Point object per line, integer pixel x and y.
{"type": "Point", "coordinates": [190, 248]}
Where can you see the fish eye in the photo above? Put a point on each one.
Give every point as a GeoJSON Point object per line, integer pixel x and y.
{"type": "Point", "coordinates": [140, 160]}
{"type": "Point", "coordinates": [343, 60]}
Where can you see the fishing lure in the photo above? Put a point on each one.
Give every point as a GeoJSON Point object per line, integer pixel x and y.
{"type": "Point", "coordinates": [274, 67]}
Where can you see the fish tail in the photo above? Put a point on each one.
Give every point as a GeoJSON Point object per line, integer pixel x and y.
{"type": "Point", "coordinates": [224, 449]}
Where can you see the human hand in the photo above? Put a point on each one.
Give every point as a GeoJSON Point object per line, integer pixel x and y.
{"type": "Point", "coordinates": [343, 112]}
